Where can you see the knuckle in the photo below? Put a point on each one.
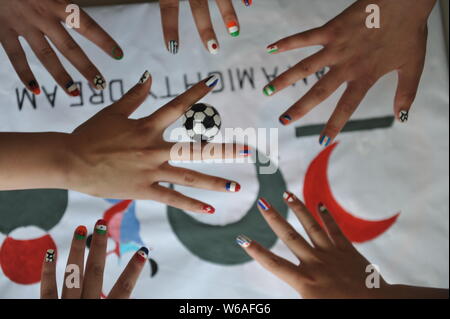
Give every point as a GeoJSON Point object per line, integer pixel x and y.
{"type": "Point", "coordinates": [315, 229]}
{"type": "Point", "coordinates": [97, 270]}
{"type": "Point", "coordinates": [46, 52]}
{"type": "Point", "coordinates": [189, 179]}
{"type": "Point", "coordinates": [70, 45]}
{"type": "Point", "coordinates": [273, 262]}
{"type": "Point", "coordinates": [47, 293]}
{"type": "Point", "coordinates": [320, 92]}
{"type": "Point", "coordinates": [292, 235]}
{"type": "Point", "coordinates": [125, 286]}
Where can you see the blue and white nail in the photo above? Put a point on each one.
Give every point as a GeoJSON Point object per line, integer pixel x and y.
{"type": "Point", "coordinates": [233, 187]}
{"type": "Point", "coordinates": [243, 241]}
{"type": "Point", "coordinates": [50, 256]}
{"type": "Point", "coordinates": [212, 81]}
{"type": "Point", "coordinates": [144, 77]}
{"type": "Point", "coordinates": [263, 204]}
{"type": "Point", "coordinates": [324, 140]}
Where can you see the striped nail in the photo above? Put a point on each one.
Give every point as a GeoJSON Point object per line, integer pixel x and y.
{"type": "Point", "coordinates": [285, 119]}
{"type": "Point", "coordinates": [142, 254]}
{"type": "Point", "coordinates": [117, 53]}
{"type": "Point", "coordinates": [101, 227]}
{"type": "Point", "coordinates": [72, 88]}
{"type": "Point", "coordinates": [233, 187]}
{"type": "Point", "coordinates": [245, 152]}
{"type": "Point", "coordinates": [99, 82]}
{"type": "Point", "coordinates": [271, 49]}
{"type": "Point", "coordinates": [269, 90]}
{"type": "Point", "coordinates": [145, 77]}
{"type": "Point", "coordinates": [233, 29]}
{"type": "Point", "coordinates": [243, 241]}
{"type": "Point", "coordinates": [208, 209]}
{"type": "Point", "coordinates": [172, 46]}
{"type": "Point", "coordinates": [289, 197]}
{"type": "Point", "coordinates": [212, 81]}
{"type": "Point", "coordinates": [403, 116]}
{"type": "Point", "coordinates": [213, 46]}
{"type": "Point", "coordinates": [80, 233]}
{"type": "Point", "coordinates": [324, 140]}
{"type": "Point", "coordinates": [263, 204]}
{"type": "Point", "coordinates": [247, 3]}
{"type": "Point", "coordinates": [34, 87]}
{"type": "Point", "coordinates": [50, 256]}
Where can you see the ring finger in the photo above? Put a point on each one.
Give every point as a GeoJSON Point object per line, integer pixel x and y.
{"type": "Point", "coordinates": [200, 12]}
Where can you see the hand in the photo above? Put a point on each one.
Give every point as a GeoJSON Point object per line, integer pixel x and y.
{"type": "Point", "coordinates": [36, 21]}
{"type": "Point", "coordinates": [81, 283]}
{"type": "Point", "coordinates": [358, 56]}
{"type": "Point", "coordinates": [200, 11]}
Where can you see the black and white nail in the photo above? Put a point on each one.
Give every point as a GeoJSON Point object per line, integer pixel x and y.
{"type": "Point", "coordinates": [172, 46]}
{"type": "Point", "coordinates": [403, 116]}
{"type": "Point", "coordinates": [50, 256]}
{"type": "Point", "coordinates": [100, 82]}
{"type": "Point", "coordinates": [144, 77]}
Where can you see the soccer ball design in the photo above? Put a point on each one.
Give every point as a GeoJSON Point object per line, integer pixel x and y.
{"type": "Point", "coordinates": [202, 122]}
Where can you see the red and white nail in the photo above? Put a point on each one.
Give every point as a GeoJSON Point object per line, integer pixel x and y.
{"type": "Point", "coordinates": [208, 209]}
{"type": "Point", "coordinates": [213, 46]}
{"type": "Point", "coordinates": [142, 254]}
{"type": "Point", "coordinates": [289, 197]}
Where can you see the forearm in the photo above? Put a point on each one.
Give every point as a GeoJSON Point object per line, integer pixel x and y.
{"type": "Point", "coordinates": [33, 160]}
{"type": "Point", "coordinates": [411, 292]}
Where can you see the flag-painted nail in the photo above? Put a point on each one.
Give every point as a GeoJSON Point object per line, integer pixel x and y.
{"type": "Point", "coordinates": [233, 29]}
{"type": "Point", "coordinates": [142, 254]}
{"type": "Point", "coordinates": [117, 53]}
{"type": "Point", "coordinates": [172, 46]}
{"type": "Point", "coordinates": [72, 88]}
{"type": "Point", "coordinates": [245, 152]}
{"type": "Point", "coordinates": [34, 87]}
{"type": "Point", "coordinates": [213, 46]}
{"type": "Point", "coordinates": [145, 77]}
{"type": "Point", "coordinates": [80, 233]}
{"type": "Point", "coordinates": [263, 204]}
{"type": "Point", "coordinates": [403, 116]}
{"type": "Point", "coordinates": [289, 197]}
{"type": "Point", "coordinates": [50, 256]}
{"type": "Point", "coordinates": [233, 187]}
{"type": "Point", "coordinates": [285, 119]}
{"type": "Point", "coordinates": [271, 49]}
{"type": "Point", "coordinates": [269, 90]}
{"type": "Point", "coordinates": [208, 209]}
{"type": "Point", "coordinates": [101, 227]}
{"type": "Point", "coordinates": [99, 82]}
{"type": "Point", "coordinates": [323, 209]}
{"type": "Point", "coordinates": [247, 3]}
{"type": "Point", "coordinates": [243, 241]}
{"type": "Point", "coordinates": [212, 81]}
{"type": "Point", "coordinates": [324, 140]}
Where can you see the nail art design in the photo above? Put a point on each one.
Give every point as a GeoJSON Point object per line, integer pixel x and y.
{"type": "Point", "coordinates": [403, 116]}
{"type": "Point", "coordinates": [212, 81]}
{"type": "Point", "coordinates": [213, 46]}
{"type": "Point", "coordinates": [208, 209]}
{"type": "Point", "coordinates": [80, 233]}
{"type": "Point", "coordinates": [233, 187]}
{"type": "Point", "coordinates": [34, 87]}
{"type": "Point", "coordinates": [117, 53]}
{"type": "Point", "coordinates": [247, 3]}
{"type": "Point", "coordinates": [245, 152]}
{"type": "Point", "coordinates": [50, 256]}
{"type": "Point", "coordinates": [101, 227]}
{"type": "Point", "coordinates": [243, 241]}
{"type": "Point", "coordinates": [285, 119]}
{"type": "Point", "coordinates": [324, 140]}
{"type": "Point", "coordinates": [263, 204]}
{"type": "Point", "coordinates": [72, 88]}
{"type": "Point", "coordinates": [172, 46]}
{"type": "Point", "coordinates": [269, 90]}
{"type": "Point", "coordinates": [289, 197]}
{"type": "Point", "coordinates": [142, 254]}
{"type": "Point", "coordinates": [144, 77]}
{"type": "Point", "coordinates": [99, 82]}
{"type": "Point", "coordinates": [323, 209]}
{"type": "Point", "coordinates": [271, 49]}
{"type": "Point", "coordinates": [233, 29]}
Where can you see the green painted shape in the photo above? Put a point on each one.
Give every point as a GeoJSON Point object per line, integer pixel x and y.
{"type": "Point", "coordinates": [217, 244]}
{"type": "Point", "coordinates": [42, 208]}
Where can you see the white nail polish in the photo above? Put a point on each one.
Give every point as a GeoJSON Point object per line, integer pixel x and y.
{"type": "Point", "coordinates": [99, 82]}
{"type": "Point", "coordinates": [213, 46]}
{"type": "Point", "coordinates": [403, 116]}
{"type": "Point", "coordinates": [289, 197]}
{"type": "Point", "coordinates": [144, 77]}
{"type": "Point", "coordinates": [243, 241]}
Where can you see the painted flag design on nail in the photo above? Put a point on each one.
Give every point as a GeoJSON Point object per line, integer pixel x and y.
{"type": "Point", "coordinates": [243, 241]}
{"type": "Point", "coordinates": [263, 204]}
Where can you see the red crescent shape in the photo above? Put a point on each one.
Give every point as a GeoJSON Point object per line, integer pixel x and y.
{"type": "Point", "coordinates": [317, 190]}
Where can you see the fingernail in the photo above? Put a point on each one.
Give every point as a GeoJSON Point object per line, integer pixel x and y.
{"type": "Point", "coordinates": [247, 3]}
{"type": "Point", "coordinates": [323, 209]}
{"type": "Point", "coordinates": [101, 227]}
{"type": "Point", "coordinates": [271, 49]}
{"type": "Point", "coordinates": [208, 209]}
{"type": "Point", "coordinates": [145, 77]}
{"type": "Point", "coordinates": [72, 88]}
{"type": "Point", "coordinates": [117, 53]}
{"type": "Point", "coordinates": [172, 46]}
{"type": "Point", "coordinates": [243, 241]}
{"type": "Point", "coordinates": [80, 233]}
{"type": "Point", "coordinates": [142, 254]}
{"type": "Point", "coordinates": [263, 204]}
{"type": "Point", "coordinates": [289, 197]}
{"type": "Point", "coordinates": [99, 82]}
{"type": "Point", "coordinates": [34, 87]}
{"type": "Point", "coordinates": [233, 187]}
{"type": "Point", "coordinates": [285, 119]}
{"type": "Point", "coordinates": [269, 90]}
{"type": "Point", "coordinates": [50, 256]}
{"type": "Point", "coordinates": [403, 116]}
{"type": "Point", "coordinates": [213, 46]}
{"type": "Point", "coordinates": [233, 29]}
{"type": "Point", "coordinates": [324, 140]}
{"type": "Point", "coordinates": [212, 81]}
{"type": "Point", "coordinates": [245, 152]}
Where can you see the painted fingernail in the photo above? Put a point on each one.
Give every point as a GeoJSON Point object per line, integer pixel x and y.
{"type": "Point", "coordinates": [243, 241]}
{"type": "Point", "coordinates": [80, 233]}
{"type": "Point", "coordinates": [117, 53]}
{"type": "Point", "coordinates": [324, 140]}
{"type": "Point", "coordinates": [145, 77]}
{"type": "Point", "coordinates": [34, 87]}
{"type": "Point", "coordinates": [289, 197]}
{"type": "Point", "coordinates": [172, 46]}
{"type": "Point", "coordinates": [285, 119]}
{"type": "Point", "coordinates": [323, 209]}
{"type": "Point", "coordinates": [233, 29]}
{"type": "Point", "coordinates": [208, 209]}
{"type": "Point", "coordinates": [212, 81]}
{"type": "Point", "coordinates": [247, 3]}
{"type": "Point", "coordinates": [269, 90]}
{"type": "Point", "coordinates": [245, 152]}
{"type": "Point", "coordinates": [403, 116]}
{"type": "Point", "coordinates": [101, 227]}
{"type": "Point", "coordinates": [271, 49]}
{"type": "Point", "coordinates": [72, 88]}
{"type": "Point", "coordinates": [233, 187]}
{"type": "Point", "coordinates": [50, 256]}
{"type": "Point", "coordinates": [213, 46]}
{"type": "Point", "coordinates": [99, 82]}
{"type": "Point", "coordinates": [142, 254]}
{"type": "Point", "coordinates": [263, 204]}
